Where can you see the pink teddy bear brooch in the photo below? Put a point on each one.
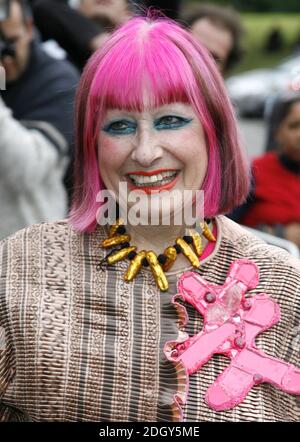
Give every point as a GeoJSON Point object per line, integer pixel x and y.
{"type": "Point", "coordinates": [231, 324]}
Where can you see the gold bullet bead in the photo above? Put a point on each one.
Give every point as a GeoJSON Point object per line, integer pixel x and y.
{"type": "Point", "coordinates": [115, 240]}
{"type": "Point", "coordinates": [157, 271]}
{"type": "Point", "coordinates": [188, 252]}
{"type": "Point", "coordinates": [197, 242]}
{"type": "Point", "coordinates": [207, 232]}
{"type": "Point", "coordinates": [171, 254]}
{"type": "Point", "coordinates": [113, 228]}
{"type": "Point", "coordinates": [135, 266]}
{"type": "Point", "coordinates": [119, 255]}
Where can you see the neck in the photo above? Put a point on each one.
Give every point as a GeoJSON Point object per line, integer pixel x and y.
{"type": "Point", "coordinates": [289, 164]}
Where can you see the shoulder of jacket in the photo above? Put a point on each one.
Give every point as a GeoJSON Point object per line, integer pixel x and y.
{"type": "Point", "coordinates": [249, 245]}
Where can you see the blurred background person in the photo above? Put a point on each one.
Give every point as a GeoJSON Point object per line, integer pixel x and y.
{"type": "Point", "coordinates": [36, 114]}
{"type": "Point", "coordinates": [81, 26]}
{"type": "Point", "coordinates": [274, 205]}
{"type": "Point", "coordinates": [76, 34]}
{"type": "Point", "coordinates": [275, 40]}
{"type": "Point", "coordinates": [115, 12]}
{"type": "Point", "coordinates": [220, 30]}
{"type": "Point", "coordinates": [107, 14]}
{"type": "Point", "coordinates": [171, 8]}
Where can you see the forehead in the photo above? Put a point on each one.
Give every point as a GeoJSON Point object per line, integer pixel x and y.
{"type": "Point", "coordinates": [294, 111]}
{"type": "Point", "coordinates": [216, 38]}
{"type": "Point", "coordinates": [106, 3]}
{"type": "Point", "coordinates": [176, 107]}
{"type": "Point", "coordinates": [296, 108]}
{"type": "Point", "coordinates": [15, 21]}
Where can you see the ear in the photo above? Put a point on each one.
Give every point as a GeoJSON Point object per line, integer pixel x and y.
{"type": "Point", "coordinates": [30, 28]}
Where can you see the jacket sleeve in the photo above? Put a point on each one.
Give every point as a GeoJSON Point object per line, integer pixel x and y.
{"type": "Point", "coordinates": [6, 347]}
{"type": "Point", "coordinates": [27, 155]}
{"type": "Point", "coordinates": [74, 32]}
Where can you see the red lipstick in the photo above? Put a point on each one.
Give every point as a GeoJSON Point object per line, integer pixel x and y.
{"type": "Point", "coordinates": [153, 172]}
{"type": "Point", "coordinates": [153, 189]}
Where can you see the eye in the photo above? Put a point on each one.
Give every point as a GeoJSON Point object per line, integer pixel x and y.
{"type": "Point", "coordinates": [171, 122]}
{"type": "Point", "coordinates": [294, 126]}
{"type": "Point", "coordinates": [12, 40]}
{"type": "Point", "coordinates": [120, 127]}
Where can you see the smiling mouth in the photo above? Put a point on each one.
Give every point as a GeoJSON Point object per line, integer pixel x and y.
{"type": "Point", "coordinates": [155, 180]}
{"type": "Point", "coordinates": [103, 2]}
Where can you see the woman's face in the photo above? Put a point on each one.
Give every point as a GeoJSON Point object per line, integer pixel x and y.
{"type": "Point", "coordinates": [288, 133]}
{"type": "Point", "coordinates": [159, 150]}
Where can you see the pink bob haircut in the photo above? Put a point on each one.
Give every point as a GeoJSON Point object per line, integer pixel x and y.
{"type": "Point", "coordinates": [146, 63]}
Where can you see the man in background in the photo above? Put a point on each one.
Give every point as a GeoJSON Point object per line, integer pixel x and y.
{"type": "Point", "coordinates": [36, 114]}
{"type": "Point", "coordinates": [220, 30]}
{"type": "Point", "coordinates": [82, 26]}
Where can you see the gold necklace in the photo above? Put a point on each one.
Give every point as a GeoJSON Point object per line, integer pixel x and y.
{"type": "Point", "coordinates": [117, 236]}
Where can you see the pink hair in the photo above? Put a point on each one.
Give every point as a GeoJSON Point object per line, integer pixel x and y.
{"type": "Point", "coordinates": [149, 62]}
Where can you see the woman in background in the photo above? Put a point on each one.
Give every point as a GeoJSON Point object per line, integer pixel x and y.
{"type": "Point", "coordinates": [275, 201]}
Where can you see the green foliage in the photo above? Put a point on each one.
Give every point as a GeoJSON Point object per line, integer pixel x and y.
{"type": "Point", "coordinates": [258, 27]}
{"type": "Point", "coordinates": [261, 5]}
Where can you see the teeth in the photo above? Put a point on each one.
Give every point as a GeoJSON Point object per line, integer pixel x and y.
{"type": "Point", "coordinates": [161, 178]}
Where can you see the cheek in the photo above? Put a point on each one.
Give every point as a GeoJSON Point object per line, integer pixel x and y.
{"type": "Point", "coordinates": [190, 146]}
{"type": "Point", "coordinates": [197, 158]}
{"type": "Point", "coordinates": [284, 136]}
{"type": "Point", "coordinates": [294, 136]}
{"type": "Point", "coordinates": [285, 140]}
{"type": "Point", "coordinates": [111, 154]}
{"type": "Point", "coordinates": [22, 53]}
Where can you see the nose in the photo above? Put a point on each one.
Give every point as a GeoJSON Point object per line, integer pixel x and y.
{"type": "Point", "coordinates": [146, 149]}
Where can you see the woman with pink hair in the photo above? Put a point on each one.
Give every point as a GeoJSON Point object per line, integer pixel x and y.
{"type": "Point", "coordinates": [91, 329]}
